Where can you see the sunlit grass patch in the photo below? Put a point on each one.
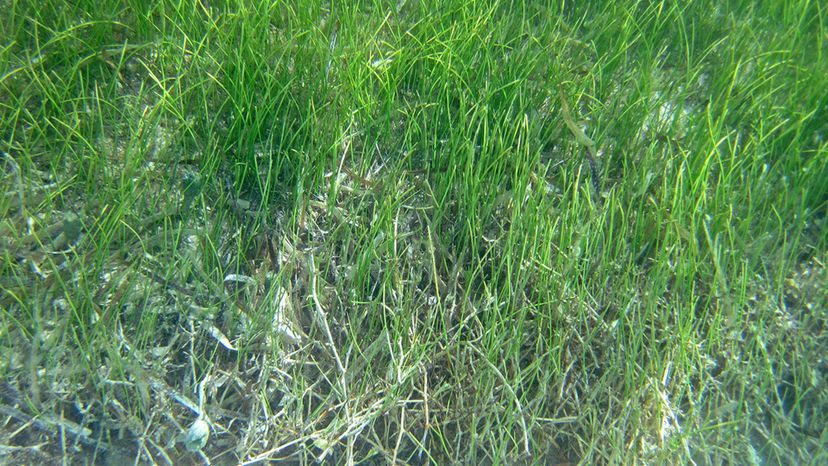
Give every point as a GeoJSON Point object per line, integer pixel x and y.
{"type": "Point", "coordinates": [480, 232]}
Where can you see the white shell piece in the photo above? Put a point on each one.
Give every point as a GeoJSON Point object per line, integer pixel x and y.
{"type": "Point", "coordinates": [282, 324]}
{"type": "Point", "coordinates": [220, 337]}
{"type": "Point", "coordinates": [197, 435]}
{"type": "Point", "coordinates": [233, 277]}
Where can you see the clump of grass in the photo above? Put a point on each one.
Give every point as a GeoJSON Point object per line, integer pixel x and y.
{"type": "Point", "coordinates": [481, 233]}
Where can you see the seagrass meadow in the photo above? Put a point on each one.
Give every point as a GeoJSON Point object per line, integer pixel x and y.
{"type": "Point", "coordinates": [448, 232]}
